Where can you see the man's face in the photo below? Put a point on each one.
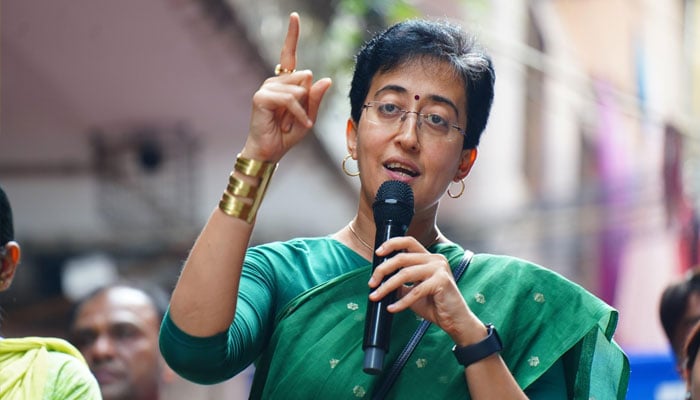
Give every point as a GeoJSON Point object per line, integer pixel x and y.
{"type": "Point", "coordinates": [117, 333]}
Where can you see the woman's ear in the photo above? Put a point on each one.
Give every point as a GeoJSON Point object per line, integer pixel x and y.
{"type": "Point", "coordinates": [465, 164]}
{"type": "Point", "coordinates": [9, 263]}
{"type": "Point", "coordinates": [351, 137]}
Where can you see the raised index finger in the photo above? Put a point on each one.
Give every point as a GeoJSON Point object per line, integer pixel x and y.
{"type": "Point", "coordinates": [288, 57]}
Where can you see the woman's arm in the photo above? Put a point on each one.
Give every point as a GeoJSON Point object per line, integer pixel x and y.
{"type": "Point", "coordinates": [283, 110]}
{"type": "Point", "coordinates": [204, 300]}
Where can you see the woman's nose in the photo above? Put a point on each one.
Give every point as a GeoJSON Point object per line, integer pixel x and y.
{"type": "Point", "coordinates": [409, 130]}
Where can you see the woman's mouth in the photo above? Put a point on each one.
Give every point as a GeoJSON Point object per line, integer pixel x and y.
{"type": "Point", "coordinates": [401, 169]}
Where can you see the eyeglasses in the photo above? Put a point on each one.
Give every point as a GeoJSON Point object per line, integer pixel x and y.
{"type": "Point", "coordinates": [390, 115]}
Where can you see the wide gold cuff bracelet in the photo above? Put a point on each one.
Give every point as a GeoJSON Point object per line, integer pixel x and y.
{"type": "Point", "coordinates": [232, 201]}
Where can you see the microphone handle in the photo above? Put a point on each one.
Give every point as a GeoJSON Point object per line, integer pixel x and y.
{"type": "Point", "coordinates": [378, 319]}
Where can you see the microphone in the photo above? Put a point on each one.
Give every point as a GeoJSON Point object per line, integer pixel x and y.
{"type": "Point", "coordinates": [393, 211]}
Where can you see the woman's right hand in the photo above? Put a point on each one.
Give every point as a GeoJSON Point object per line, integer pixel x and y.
{"type": "Point", "coordinates": [285, 107]}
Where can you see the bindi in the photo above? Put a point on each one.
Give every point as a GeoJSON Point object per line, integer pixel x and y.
{"type": "Point", "coordinates": [417, 97]}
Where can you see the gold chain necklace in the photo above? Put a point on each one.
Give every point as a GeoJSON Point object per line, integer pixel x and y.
{"type": "Point", "coordinates": [358, 237]}
{"type": "Point", "coordinates": [352, 229]}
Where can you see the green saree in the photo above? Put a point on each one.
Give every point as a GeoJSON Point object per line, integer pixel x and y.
{"type": "Point", "coordinates": [315, 351]}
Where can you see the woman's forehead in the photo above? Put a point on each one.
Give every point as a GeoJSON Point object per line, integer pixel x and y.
{"type": "Point", "coordinates": [421, 80]}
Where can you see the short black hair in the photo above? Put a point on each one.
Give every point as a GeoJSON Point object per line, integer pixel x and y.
{"type": "Point", "coordinates": [438, 40]}
{"type": "Point", "coordinates": [673, 304]}
{"type": "Point", "coordinates": [7, 229]}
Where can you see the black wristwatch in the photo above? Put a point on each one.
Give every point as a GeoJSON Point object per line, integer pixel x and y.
{"type": "Point", "coordinates": [468, 355]}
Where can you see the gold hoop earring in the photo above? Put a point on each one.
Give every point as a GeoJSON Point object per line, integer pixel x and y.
{"type": "Point", "coordinates": [461, 191]}
{"type": "Point", "coordinates": [348, 173]}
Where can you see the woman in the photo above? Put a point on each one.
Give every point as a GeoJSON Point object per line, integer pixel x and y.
{"type": "Point", "coordinates": [36, 367]}
{"type": "Point", "coordinates": [420, 96]}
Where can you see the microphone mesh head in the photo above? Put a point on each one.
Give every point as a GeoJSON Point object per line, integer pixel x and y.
{"type": "Point", "coordinates": [394, 201]}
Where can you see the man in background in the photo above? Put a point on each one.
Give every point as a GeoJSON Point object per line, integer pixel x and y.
{"type": "Point", "coordinates": [116, 329]}
{"type": "Point", "coordinates": [679, 310]}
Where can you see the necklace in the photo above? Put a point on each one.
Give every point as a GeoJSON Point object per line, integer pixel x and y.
{"type": "Point", "coordinates": [358, 236]}
{"type": "Point", "coordinates": [352, 230]}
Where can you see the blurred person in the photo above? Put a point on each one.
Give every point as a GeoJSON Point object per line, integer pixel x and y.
{"type": "Point", "coordinates": [690, 367]}
{"type": "Point", "coordinates": [679, 311]}
{"type": "Point", "coordinates": [116, 329]}
{"type": "Point", "coordinates": [33, 368]}
{"type": "Point", "coordinates": [420, 98]}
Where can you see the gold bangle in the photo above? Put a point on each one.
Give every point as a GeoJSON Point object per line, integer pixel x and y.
{"type": "Point", "coordinates": [234, 207]}
{"type": "Point", "coordinates": [255, 168]}
{"type": "Point", "coordinates": [231, 203]}
{"type": "Point", "coordinates": [238, 187]}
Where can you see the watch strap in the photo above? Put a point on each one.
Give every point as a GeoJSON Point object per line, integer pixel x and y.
{"type": "Point", "coordinates": [468, 355]}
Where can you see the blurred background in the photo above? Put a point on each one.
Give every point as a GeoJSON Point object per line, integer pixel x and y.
{"type": "Point", "coordinates": [120, 121]}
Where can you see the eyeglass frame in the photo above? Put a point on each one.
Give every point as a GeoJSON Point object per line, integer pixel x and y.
{"type": "Point", "coordinates": [419, 115]}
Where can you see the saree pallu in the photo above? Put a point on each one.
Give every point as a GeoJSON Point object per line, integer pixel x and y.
{"type": "Point", "coordinates": [44, 368]}
{"type": "Point", "coordinates": [315, 351]}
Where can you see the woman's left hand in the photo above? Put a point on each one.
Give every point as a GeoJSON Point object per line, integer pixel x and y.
{"type": "Point", "coordinates": [423, 282]}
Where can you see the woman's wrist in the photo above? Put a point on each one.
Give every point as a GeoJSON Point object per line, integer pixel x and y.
{"type": "Point", "coordinates": [246, 188]}
{"type": "Point", "coordinates": [469, 333]}
{"type": "Point", "coordinates": [254, 151]}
